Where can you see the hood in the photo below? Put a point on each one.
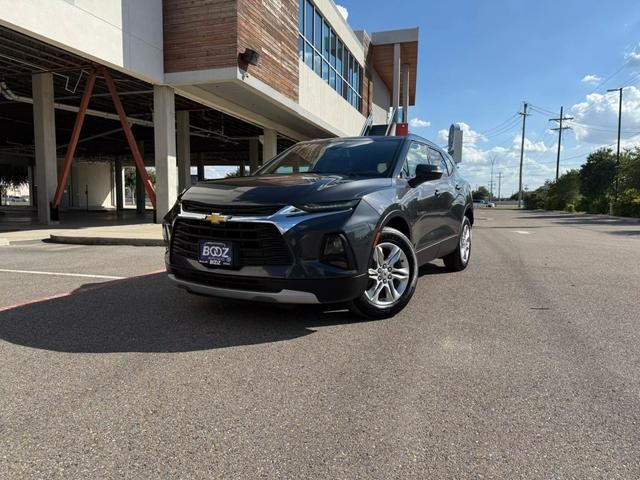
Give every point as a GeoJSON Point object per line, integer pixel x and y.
{"type": "Point", "coordinates": [283, 189]}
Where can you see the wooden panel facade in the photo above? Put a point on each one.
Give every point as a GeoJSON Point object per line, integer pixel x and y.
{"type": "Point", "coordinates": [271, 28]}
{"type": "Point", "coordinates": [200, 34]}
{"type": "Point", "coordinates": [367, 78]}
{"type": "Point", "coordinates": [383, 63]}
{"type": "Point", "coordinates": [209, 34]}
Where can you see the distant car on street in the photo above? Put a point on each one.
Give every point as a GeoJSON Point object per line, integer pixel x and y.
{"type": "Point", "coordinates": [482, 203]}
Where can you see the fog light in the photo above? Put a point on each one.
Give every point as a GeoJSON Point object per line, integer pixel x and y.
{"type": "Point", "coordinates": [333, 245]}
{"type": "Point", "coordinates": [334, 251]}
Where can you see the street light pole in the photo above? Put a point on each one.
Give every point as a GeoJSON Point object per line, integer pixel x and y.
{"type": "Point", "coordinates": [619, 130]}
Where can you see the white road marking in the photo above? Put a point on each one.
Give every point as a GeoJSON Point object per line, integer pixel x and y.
{"type": "Point", "coordinates": [82, 275]}
{"type": "Point", "coordinates": [522, 232]}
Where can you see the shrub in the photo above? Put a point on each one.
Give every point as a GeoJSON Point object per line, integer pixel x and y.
{"type": "Point", "coordinates": [570, 207]}
{"type": "Point", "coordinates": [628, 204]}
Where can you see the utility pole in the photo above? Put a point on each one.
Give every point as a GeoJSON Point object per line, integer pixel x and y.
{"type": "Point", "coordinates": [499, 184]}
{"type": "Point", "coordinates": [560, 129]}
{"type": "Point", "coordinates": [524, 124]}
{"type": "Point", "coordinates": [493, 160]}
{"type": "Point", "coordinates": [619, 129]}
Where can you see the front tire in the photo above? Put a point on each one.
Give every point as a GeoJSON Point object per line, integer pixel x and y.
{"type": "Point", "coordinates": [458, 260]}
{"type": "Point", "coordinates": [393, 275]}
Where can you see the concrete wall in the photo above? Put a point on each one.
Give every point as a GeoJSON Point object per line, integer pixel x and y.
{"type": "Point", "coordinates": [316, 96]}
{"type": "Point", "coordinates": [124, 34]}
{"type": "Point", "coordinates": [98, 176]}
{"type": "Point", "coordinates": [381, 99]}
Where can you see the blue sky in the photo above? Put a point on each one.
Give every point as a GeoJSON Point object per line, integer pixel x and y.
{"type": "Point", "coordinates": [479, 60]}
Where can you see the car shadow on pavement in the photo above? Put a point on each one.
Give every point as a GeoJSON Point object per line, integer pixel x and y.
{"type": "Point", "coordinates": [431, 269]}
{"type": "Point", "coordinates": [149, 314]}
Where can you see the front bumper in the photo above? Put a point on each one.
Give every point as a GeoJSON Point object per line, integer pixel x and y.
{"type": "Point", "coordinates": [276, 290]}
{"type": "Point", "coordinates": [302, 280]}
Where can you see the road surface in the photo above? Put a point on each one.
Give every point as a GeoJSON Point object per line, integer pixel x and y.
{"type": "Point", "coordinates": [526, 365]}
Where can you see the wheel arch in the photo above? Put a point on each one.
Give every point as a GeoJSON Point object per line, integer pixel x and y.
{"type": "Point", "coordinates": [397, 219]}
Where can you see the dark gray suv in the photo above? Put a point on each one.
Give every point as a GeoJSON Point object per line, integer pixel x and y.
{"type": "Point", "coordinates": [335, 221]}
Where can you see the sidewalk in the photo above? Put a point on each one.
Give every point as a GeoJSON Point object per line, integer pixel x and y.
{"type": "Point", "coordinates": [87, 229]}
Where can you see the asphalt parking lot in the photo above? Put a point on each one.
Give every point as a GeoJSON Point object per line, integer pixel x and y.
{"type": "Point", "coordinates": [526, 365]}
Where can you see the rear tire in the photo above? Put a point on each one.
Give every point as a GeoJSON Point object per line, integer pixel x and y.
{"type": "Point", "coordinates": [393, 275]}
{"type": "Point", "coordinates": [458, 260]}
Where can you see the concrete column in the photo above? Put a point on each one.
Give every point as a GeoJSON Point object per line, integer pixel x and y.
{"type": "Point", "coordinates": [253, 154]}
{"type": "Point", "coordinates": [44, 134]}
{"type": "Point", "coordinates": [269, 145]}
{"type": "Point", "coordinates": [31, 189]}
{"type": "Point", "coordinates": [119, 184]}
{"type": "Point", "coordinates": [200, 170]}
{"type": "Point", "coordinates": [395, 98]}
{"type": "Point", "coordinates": [405, 93]}
{"type": "Point", "coordinates": [141, 195]}
{"type": "Point", "coordinates": [164, 127]}
{"type": "Point", "coordinates": [184, 150]}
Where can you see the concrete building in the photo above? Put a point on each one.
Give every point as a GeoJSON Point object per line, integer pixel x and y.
{"type": "Point", "coordinates": [90, 90]}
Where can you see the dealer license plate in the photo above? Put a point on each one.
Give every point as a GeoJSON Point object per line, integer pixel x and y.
{"type": "Point", "coordinates": [219, 254]}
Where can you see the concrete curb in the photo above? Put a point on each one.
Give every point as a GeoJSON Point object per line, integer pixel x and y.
{"type": "Point", "coordinates": [136, 242]}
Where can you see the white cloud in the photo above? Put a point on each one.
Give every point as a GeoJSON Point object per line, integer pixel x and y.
{"type": "Point", "coordinates": [591, 79]}
{"type": "Point", "coordinates": [633, 57]}
{"type": "Point", "coordinates": [531, 146]}
{"type": "Point", "coordinates": [477, 158]}
{"type": "Point", "coordinates": [596, 118]}
{"type": "Point", "coordinates": [419, 123]}
{"type": "Point", "coordinates": [343, 11]}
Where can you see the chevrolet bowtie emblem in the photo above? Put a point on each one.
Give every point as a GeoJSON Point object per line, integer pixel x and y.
{"type": "Point", "coordinates": [216, 218]}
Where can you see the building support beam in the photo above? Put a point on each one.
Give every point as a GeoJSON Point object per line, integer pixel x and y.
{"type": "Point", "coordinates": [269, 145]}
{"type": "Point", "coordinates": [405, 93]}
{"type": "Point", "coordinates": [184, 150]}
{"type": "Point", "coordinates": [164, 121]}
{"type": "Point", "coordinates": [395, 100]}
{"type": "Point", "coordinates": [253, 154]}
{"type": "Point", "coordinates": [44, 130]}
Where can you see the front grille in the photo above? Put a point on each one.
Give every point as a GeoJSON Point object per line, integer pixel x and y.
{"type": "Point", "coordinates": [259, 244]}
{"type": "Point", "coordinates": [237, 209]}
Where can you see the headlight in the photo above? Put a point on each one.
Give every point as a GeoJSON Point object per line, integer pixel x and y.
{"type": "Point", "coordinates": [327, 207]}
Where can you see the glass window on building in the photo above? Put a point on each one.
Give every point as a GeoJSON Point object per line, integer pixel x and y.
{"type": "Point", "coordinates": [301, 5]}
{"type": "Point", "coordinates": [326, 40]}
{"type": "Point", "coordinates": [332, 53]}
{"type": "Point", "coordinates": [308, 20]}
{"type": "Point", "coordinates": [317, 32]}
{"type": "Point", "coordinates": [322, 50]}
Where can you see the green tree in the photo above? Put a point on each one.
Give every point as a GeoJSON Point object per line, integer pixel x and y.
{"type": "Point", "coordinates": [564, 191]}
{"type": "Point", "coordinates": [630, 169]}
{"type": "Point", "coordinates": [481, 193]}
{"type": "Point", "coordinates": [598, 173]}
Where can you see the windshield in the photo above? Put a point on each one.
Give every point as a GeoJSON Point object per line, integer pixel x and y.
{"type": "Point", "coordinates": [362, 157]}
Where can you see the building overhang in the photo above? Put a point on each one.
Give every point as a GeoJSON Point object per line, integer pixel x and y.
{"type": "Point", "coordinates": [237, 92]}
{"type": "Point", "coordinates": [383, 43]}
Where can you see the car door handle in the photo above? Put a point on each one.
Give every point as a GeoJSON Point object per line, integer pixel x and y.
{"type": "Point", "coordinates": [458, 186]}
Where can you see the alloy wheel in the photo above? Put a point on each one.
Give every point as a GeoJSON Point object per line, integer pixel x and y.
{"type": "Point", "coordinates": [465, 244]}
{"type": "Point", "coordinates": [389, 275]}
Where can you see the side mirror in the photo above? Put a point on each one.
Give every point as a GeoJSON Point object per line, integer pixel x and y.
{"type": "Point", "coordinates": [425, 173]}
